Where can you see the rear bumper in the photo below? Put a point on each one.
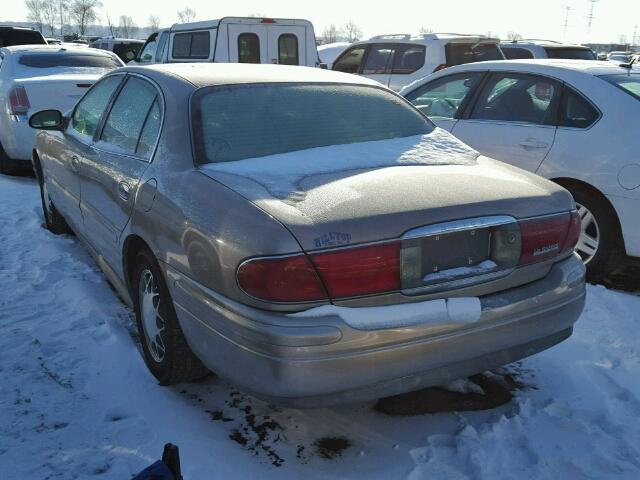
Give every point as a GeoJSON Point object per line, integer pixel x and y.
{"type": "Point", "coordinates": [17, 137]}
{"type": "Point", "coordinates": [627, 210]}
{"type": "Point", "coordinates": [309, 362]}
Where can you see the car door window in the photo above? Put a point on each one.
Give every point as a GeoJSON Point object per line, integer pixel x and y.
{"type": "Point", "coordinates": [408, 59]}
{"type": "Point", "coordinates": [518, 98]}
{"type": "Point", "coordinates": [443, 97]}
{"type": "Point", "coordinates": [147, 54]}
{"type": "Point", "coordinates": [379, 60]}
{"type": "Point", "coordinates": [349, 62]}
{"type": "Point", "coordinates": [576, 111]}
{"type": "Point", "coordinates": [150, 131]}
{"type": "Point", "coordinates": [87, 114]}
{"type": "Point", "coordinates": [248, 48]}
{"type": "Point", "coordinates": [127, 116]}
{"type": "Point", "coordinates": [517, 53]}
{"type": "Point", "coordinates": [288, 49]}
{"type": "Point", "coordinates": [162, 45]}
{"type": "Point", "coordinates": [191, 45]}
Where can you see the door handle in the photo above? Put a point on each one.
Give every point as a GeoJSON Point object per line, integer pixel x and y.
{"type": "Point", "coordinates": [532, 143]}
{"type": "Point", "coordinates": [75, 164]}
{"type": "Point", "coordinates": [124, 191]}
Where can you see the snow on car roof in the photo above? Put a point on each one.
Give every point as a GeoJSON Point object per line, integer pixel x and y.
{"type": "Point", "coordinates": [204, 74]}
{"type": "Point", "coordinates": [593, 67]}
{"type": "Point", "coordinates": [17, 49]}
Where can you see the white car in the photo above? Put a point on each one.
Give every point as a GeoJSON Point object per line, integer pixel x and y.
{"type": "Point", "coordinates": [526, 49]}
{"type": "Point", "coordinates": [330, 51]}
{"type": "Point", "coordinates": [41, 77]}
{"type": "Point", "coordinates": [398, 60]}
{"type": "Point", "coordinates": [572, 121]}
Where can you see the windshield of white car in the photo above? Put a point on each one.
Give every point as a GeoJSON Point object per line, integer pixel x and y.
{"type": "Point", "coordinates": [627, 82]}
{"type": "Point", "coordinates": [53, 60]}
{"type": "Point", "coordinates": [570, 53]}
{"type": "Point", "coordinates": [256, 120]}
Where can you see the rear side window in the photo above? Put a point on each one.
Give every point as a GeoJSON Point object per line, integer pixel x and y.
{"type": "Point", "coordinates": [11, 37]}
{"type": "Point", "coordinates": [575, 110]}
{"type": "Point", "coordinates": [517, 53]}
{"type": "Point", "coordinates": [248, 48]}
{"type": "Point", "coordinates": [518, 98]}
{"type": "Point", "coordinates": [571, 53]}
{"type": "Point", "coordinates": [460, 53]}
{"type": "Point", "coordinates": [256, 120]}
{"type": "Point", "coordinates": [89, 110]}
{"type": "Point", "coordinates": [627, 82]}
{"type": "Point", "coordinates": [408, 59]}
{"type": "Point", "coordinates": [349, 61]}
{"type": "Point", "coordinates": [52, 60]}
{"type": "Point", "coordinates": [191, 45]}
{"type": "Point", "coordinates": [288, 49]}
{"type": "Point", "coordinates": [443, 97]}
{"type": "Point", "coordinates": [128, 115]}
{"type": "Point", "coordinates": [150, 131]}
{"type": "Point", "coordinates": [379, 60]}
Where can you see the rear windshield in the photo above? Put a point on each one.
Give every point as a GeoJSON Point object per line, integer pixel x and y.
{"type": "Point", "coordinates": [571, 53]}
{"type": "Point", "coordinates": [51, 60]}
{"type": "Point", "coordinates": [11, 37]}
{"type": "Point", "coordinates": [459, 53]}
{"type": "Point", "coordinates": [249, 121]}
{"type": "Point", "coordinates": [629, 83]}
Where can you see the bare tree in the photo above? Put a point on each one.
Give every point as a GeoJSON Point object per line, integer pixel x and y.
{"type": "Point", "coordinates": [50, 16]}
{"type": "Point", "coordinates": [426, 30]}
{"type": "Point", "coordinates": [127, 27]}
{"type": "Point", "coordinates": [83, 13]}
{"type": "Point", "coordinates": [257, 15]}
{"type": "Point", "coordinates": [113, 30]}
{"type": "Point", "coordinates": [514, 36]}
{"type": "Point", "coordinates": [62, 7]}
{"type": "Point", "coordinates": [34, 12]}
{"type": "Point", "coordinates": [352, 31]}
{"type": "Point", "coordinates": [187, 15]}
{"type": "Point", "coordinates": [331, 34]}
{"type": "Point", "coordinates": [154, 23]}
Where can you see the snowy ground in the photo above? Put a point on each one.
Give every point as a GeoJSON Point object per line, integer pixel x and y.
{"type": "Point", "coordinates": [76, 400]}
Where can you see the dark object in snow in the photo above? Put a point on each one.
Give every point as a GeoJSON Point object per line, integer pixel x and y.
{"type": "Point", "coordinates": [437, 399]}
{"type": "Point", "coordinates": [331, 447]}
{"type": "Point", "coordinates": [166, 469]}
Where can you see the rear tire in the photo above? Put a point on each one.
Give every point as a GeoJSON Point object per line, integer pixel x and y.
{"type": "Point", "coordinates": [600, 244]}
{"type": "Point", "coordinates": [165, 350]}
{"type": "Point", "coordinates": [53, 220]}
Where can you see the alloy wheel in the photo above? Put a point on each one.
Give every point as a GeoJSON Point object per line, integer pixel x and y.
{"type": "Point", "coordinates": [589, 240]}
{"type": "Point", "coordinates": [153, 323]}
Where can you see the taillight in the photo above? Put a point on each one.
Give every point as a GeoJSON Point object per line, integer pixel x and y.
{"type": "Point", "coordinates": [442, 66]}
{"type": "Point", "coordinates": [281, 279]}
{"type": "Point", "coordinates": [573, 235]}
{"type": "Point", "coordinates": [543, 238]}
{"type": "Point", "coordinates": [18, 100]}
{"type": "Point", "coordinates": [350, 272]}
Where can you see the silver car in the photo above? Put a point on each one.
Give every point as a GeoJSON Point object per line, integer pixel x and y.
{"type": "Point", "coordinates": [307, 234]}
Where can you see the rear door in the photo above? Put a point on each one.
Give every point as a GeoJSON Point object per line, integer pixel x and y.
{"type": "Point", "coordinates": [68, 153]}
{"type": "Point", "coordinates": [248, 43]}
{"type": "Point", "coordinates": [286, 44]}
{"type": "Point", "coordinates": [443, 100]}
{"type": "Point", "coordinates": [378, 62]}
{"type": "Point", "coordinates": [513, 119]}
{"type": "Point", "coordinates": [124, 147]}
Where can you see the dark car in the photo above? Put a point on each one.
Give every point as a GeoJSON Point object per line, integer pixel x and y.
{"type": "Point", "coordinates": [10, 36]}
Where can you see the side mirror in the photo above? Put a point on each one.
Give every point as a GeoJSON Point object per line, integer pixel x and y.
{"type": "Point", "coordinates": [324, 66]}
{"type": "Point", "coordinates": [47, 120]}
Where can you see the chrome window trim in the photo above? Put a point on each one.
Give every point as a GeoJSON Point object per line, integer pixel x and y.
{"type": "Point", "coordinates": [459, 226]}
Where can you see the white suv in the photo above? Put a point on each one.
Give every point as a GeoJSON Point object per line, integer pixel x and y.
{"type": "Point", "coordinates": [526, 49]}
{"type": "Point", "coordinates": [398, 60]}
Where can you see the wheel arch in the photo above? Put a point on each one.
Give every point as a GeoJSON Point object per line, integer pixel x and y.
{"type": "Point", "coordinates": [572, 183]}
{"type": "Point", "coordinates": [130, 248]}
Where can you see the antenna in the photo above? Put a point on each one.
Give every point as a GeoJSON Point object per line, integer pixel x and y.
{"type": "Point", "coordinates": [567, 9]}
{"type": "Point", "coordinates": [591, 16]}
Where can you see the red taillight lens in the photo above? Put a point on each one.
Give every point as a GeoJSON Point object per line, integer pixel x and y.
{"type": "Point", "coordinates": [543, 238]}
{"type": "Point", "coordinates": [573, 235]}
{"type": "Point", "coordinates": [286, 279]}
{"type": "Point", "coordinates": [360, 271]}
{"type": "Point", "coordinates": [18, 100]}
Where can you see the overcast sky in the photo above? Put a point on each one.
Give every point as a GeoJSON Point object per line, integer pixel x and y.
{"type": "Point", "coordinates": [531, 18]}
